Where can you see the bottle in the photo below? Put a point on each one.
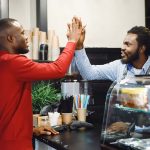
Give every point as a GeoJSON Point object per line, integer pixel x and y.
{"type": "Point", "coordinates": [43, 52]}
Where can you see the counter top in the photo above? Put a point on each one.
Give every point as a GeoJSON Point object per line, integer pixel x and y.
{"type": "Point", "coordinates": [74, 139]}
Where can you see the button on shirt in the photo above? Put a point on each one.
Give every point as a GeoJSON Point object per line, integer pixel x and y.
{"type": "Point", "coordinates": [110, 71]}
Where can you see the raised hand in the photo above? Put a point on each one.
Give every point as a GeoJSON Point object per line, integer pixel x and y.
{"type": "Point", "coordinates": [80, 43]}
{"type": "Point", "coordinates": [74, 30]}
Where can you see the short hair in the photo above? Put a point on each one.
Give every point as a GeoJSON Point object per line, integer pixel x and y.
{"type": "Point", "coordinates": [143, 37]}
{"type": "Point", "coordinates": [6, 23]}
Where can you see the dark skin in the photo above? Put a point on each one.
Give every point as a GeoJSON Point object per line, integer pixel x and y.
{"type": "Point", "coordinates": [44, 130]}
{"type": "Point", "coordinates": [130, 48]}
{"type": "Point", "coordinates": [14, 39]}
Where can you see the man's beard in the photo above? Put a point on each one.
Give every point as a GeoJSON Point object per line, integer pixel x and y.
{"type": "Point", "coordinates": [22, 51]}
{"type": "Point", "coordinates": [131, 58]}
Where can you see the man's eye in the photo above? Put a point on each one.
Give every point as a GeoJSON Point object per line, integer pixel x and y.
{"type": "Point", "coordinates": [128, 44]}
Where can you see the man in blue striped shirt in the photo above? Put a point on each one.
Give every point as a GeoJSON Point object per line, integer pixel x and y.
{"type": "Point", "coordinates": [135, 59]}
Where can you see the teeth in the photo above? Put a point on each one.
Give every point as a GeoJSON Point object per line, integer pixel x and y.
{"type": "Point", "coordinates": [122, 54]}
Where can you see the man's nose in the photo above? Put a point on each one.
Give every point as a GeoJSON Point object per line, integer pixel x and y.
{"type": "Point", "coordinates": [123, 48]}
{"type": "Point", "coordinates": [26, 38]}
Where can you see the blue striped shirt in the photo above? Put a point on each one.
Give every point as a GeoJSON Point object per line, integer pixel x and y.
{"type": "Point", "coordinates": [110, 71]}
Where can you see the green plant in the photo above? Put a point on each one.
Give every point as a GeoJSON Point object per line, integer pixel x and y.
{"type": "Point", "coordinates": [44, 93]}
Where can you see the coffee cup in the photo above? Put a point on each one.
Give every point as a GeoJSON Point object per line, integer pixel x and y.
{"type": "Point", "coordinates": [66, 118]}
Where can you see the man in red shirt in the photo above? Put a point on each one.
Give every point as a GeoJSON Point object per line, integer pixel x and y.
{"type": "Point", "coordinates": [16, 74]}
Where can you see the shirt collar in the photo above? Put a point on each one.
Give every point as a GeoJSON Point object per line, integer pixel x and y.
{"type": "Point", "coordinates": [146, 65]}
{"type": "Point", "coordinates": [129, 67]}
{"type": "Point", "coordinates": [144, 68]}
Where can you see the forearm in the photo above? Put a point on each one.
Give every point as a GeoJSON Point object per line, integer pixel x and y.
{"type": "Point", "coordinates": [95, 72]}
{"type": "Point", "coordinates": [27, 70]}
{"type": "Point", "coordinates": [84, 66]}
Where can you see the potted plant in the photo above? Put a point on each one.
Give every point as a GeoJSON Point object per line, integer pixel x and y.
{"type": "Point", "coordinates": [44, 94]}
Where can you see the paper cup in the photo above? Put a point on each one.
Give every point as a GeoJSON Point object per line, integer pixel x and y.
{"type": "Point", "coordinates": [66, 118]}
{"type": "Point", "coordinates": [53, 118]}
{"type": "Point", "coordinates": [81, 114]}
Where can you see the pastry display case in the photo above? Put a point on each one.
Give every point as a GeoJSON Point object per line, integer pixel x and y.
{"type": "Point", "coordinates": [126, 121]}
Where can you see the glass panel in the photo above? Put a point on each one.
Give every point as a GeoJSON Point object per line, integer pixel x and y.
{"type": "Point", "coordinates": [127, 114]}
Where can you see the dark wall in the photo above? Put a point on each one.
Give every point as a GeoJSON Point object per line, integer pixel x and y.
{"type": "Point", "coordinates": [99, 56]}
{"type": "Point", "coordinates": [147, 13]}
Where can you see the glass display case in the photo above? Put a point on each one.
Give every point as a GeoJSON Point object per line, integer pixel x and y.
{"type": "Point", "coordinates": [126, 121]}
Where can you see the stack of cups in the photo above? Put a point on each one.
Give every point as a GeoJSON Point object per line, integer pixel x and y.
{"type": "Point", "coordinates": [81, 114]}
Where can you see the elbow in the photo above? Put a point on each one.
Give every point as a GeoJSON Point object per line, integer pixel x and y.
{"type": "Point", "coordinates": [60, 70]}
{"type": "Point", "coordinates": [88, 77]}
{"type": "Point", "coordinates": [62, 73]}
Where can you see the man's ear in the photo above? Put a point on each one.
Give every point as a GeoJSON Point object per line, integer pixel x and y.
{"type": "Point", "coordinates": [142, 49]}
{"type": "Point", "coordinates": [10, 38]}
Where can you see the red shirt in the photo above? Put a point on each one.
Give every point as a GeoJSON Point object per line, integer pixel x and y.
{"type": "Point", "coordinates": [16, 74]}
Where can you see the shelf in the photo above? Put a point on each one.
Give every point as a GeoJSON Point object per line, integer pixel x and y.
{"type": "Point", "coordinates": [43, 61]}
